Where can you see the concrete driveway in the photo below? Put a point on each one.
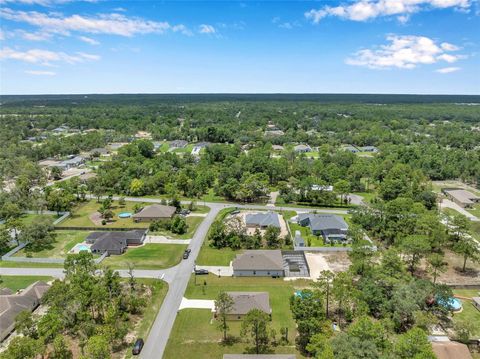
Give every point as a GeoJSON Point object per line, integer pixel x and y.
{"type": "Point", "coordinates": [165, 240]}
{"type": "Point", "coordinates": [197, 304]}
{"type": "Point", "coordinates": [224, 271]}
{"type": "Point", "coordinates": [446, 203]}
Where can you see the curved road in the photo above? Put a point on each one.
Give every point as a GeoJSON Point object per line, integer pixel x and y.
{"type": "Point", "coordinates": [177, 277]}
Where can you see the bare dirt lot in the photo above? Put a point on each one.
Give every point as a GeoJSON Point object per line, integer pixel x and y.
{"type": "Point", "coordinates": [335, 262]}
{"type": "Point", "coordinates": [454, 274]}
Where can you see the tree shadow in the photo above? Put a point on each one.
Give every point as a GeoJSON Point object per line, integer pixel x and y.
{"type": "Point", "coordinates": [469, 272]}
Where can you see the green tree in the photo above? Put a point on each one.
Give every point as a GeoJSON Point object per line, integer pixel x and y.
{"type": "Point", "coordinates": [56, 173]}
{"type": "Point", "coordinates": [272, 237]}
{"type": "Point", "coordinates": [255, 326]}
{"type": "Point", "coordinates": [415, 247]}
{"type": "Point", "coordinates": [38, 235]}
{"type": "Point", "coordinates": [23, 348]}
{"type": "Point", "coordinates": [468, 248]}
{"type": "Point", "coordinates": [97, 347]}
{"type": "Point", "coordinates": [60, 349]}
{"type": "Point", "coordinates": [223, 306]}
{"type": "Point", "coordinates": [25, 324]}
{"type": "Point", "coordinates": [413, 344]}
{"type": "Point", "coordinates": [436, 265]}
{"type": "Point", "coordinates": [324, 284]}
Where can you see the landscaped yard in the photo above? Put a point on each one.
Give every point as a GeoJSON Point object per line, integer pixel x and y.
{"type": "Point", "coordinates": [469, 313]}
{"type": "Point", "coordinates": [65, 240]}
{"type": "Point", "coordinates": [148, 256]}
{"type": "Point", "coordinates": [80, 216]}
{"type": "Point", "coordinates": [193, 223]}
{"type": "Point", "coordinates": [15, 282]}
{"type": "Point", "coordinates": [159, 291]}
{"type": "Point", "coordinates": [310, 239]}
{"type": "Point", "coordinates": [215, 257]}
{"type": "Point", "coordinates": [205, 340]}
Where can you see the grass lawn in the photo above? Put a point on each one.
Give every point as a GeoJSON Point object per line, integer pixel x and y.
{"type": "Point", "coordinates": [15, 282]}
{"type": "Point", "coordinates": [159, 291]}
{"type": "Point", "coordinates": [367, 196]}
{"type": "Point", "coordinates": [310, 239]}
{"type": "Point", "coordinates": [65, 240]}
{"type": "Point", "coordinates": [29, 218]}
{"type": "Point", "coordinates": [148, 256]}
{"type": "Point", "coordinates": [193, 223]}
{"type": "Point", "coordinates": [5, 264]}
{"type": "Point", "coordinates": [204, 340]}
{"type": "Point", "coordinates": [215, 257]}
{"type": "Point", "coordinates": [80, 216]}
{"type": "Point", "coordinates": [469, 314]}
{"type": "Point", "coordinates": [475, 210]}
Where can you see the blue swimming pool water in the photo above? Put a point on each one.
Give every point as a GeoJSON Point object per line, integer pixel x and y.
{"type": "Point", "coordinates": [83, 247]}
{"type": "Point", "coordinates": [452, 304]}
{"type": "Point", "coordinates": [125, 214]}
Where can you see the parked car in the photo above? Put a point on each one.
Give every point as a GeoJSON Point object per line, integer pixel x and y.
{"type": "Point", "coordinates": [138, 346]}
{"type": "Point", "coordinates": [201, 271]}
{"type": "Point", "coordinates": [186, 253]}
{"type": "Point", "coordinates": [184, 212]}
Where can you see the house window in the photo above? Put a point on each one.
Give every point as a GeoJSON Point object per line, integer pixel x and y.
{"type": "Point", "coordinates": [254, 272]}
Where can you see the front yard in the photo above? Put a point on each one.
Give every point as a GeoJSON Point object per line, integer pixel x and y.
{"type": "Point", "coordinates": [205, 340]}
{"type": "Point", "coordinates": [15, 282]}
{"type": "Point", "coordinates": [148, 256]}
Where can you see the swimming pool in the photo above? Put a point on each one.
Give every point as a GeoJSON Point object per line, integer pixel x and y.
{"type": "Point", "coordinates": [83, 247]}
{"type": "Point", "coordinates": [452, 303]}
{"type": "Point", "coordinates": [125, 214]}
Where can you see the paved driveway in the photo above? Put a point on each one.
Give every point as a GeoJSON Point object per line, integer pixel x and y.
{"type": "Point", "coordinates": [224, 271]}
{"type": "Point", "coordinates": [165, 240]}
{"type": "Point", "coordinates": [446, 203]}
{"type": "Point", "coordinates": [197, 304]}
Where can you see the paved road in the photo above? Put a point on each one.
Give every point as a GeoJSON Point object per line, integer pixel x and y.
{"type": "Point", "coordinates": [446, 203]}
{"type": "Point", "coordinates": [177, 277]}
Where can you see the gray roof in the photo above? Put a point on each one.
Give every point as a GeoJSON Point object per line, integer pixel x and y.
{"type": "Point", "coordinates": [100, 150]}
{"type": "Point", "coordinates": [369, 148]}
{"type": "Point", "coordinates": [178, 143]}
{"type": "Point", "coordinates": [302, 148]}
{"type": "Point", "coordinates": [156, 211]}
{"type": "Point", "coordinates": [322, 222]}
{"type": "Point", "coordinates": [103, 244]}
{"type": "Point", "coordinates": [259, 356]}
{"type": "Point", "coordinates": [12, 304]}
{"type": "Point", "coordinates": [476, 300]}
{"type": "Point", "coordinates": [262, 219]}
{"type": "Point", "coordinates": [463, 195]}
{"type": "Point", "coordinates": [121, 235]}
{"type": "Point", "coordinates": [259, 260]}
{"type": "Point", "coordinates": [73, 161]}
{"type": "Point", "coordinates": [243, 302]}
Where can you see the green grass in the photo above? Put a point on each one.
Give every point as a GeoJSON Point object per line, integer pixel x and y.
{"type": "Point", "coordinates": [475, 210]}
{"type": "Point", "coordinates": [80, 216]}
{"type": "Point", "coordinates": [29, 218]}
{"type": "Point", "coordinates": [5, 264]}
{"type": "Point", "coordinates": [159, 291]}
{"type": "Point", "coordinates": [469, 313]}
{"type": "Point", "coordinates": [195, 335]}
{"type": "Point", "coordinates": [20, 282]}
{"type": "Point", "coordinates": [310, 239]}
{"type": "Point", "coordinates": [367, 196]}
{"type": "Point", "coordinates": [148, 256]}
{"type": "Point", "coordinates": [65, 241]}
{"type": "Point", "coordinates": [193, 223]}
{"type": "Point", "coordinates": [215, 257]}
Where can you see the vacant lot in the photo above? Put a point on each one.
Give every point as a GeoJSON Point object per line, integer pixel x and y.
{"type": "Point", "coordinates": [205, 340]}
{"type": "Point", "coordinates": [469, 315]}
{"type": "Point", "coordinates": [65, 240]}
{"type": "Point", "coordinates": [215, 257]}
{"type": "Point", "coordinates": [148, 256]}
{"type": "Point", "coordinates": [15, 282]}
{"type": "Point", "coordinates": [192, 221]}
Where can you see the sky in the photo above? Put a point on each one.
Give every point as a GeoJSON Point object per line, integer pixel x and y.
{"type": "Point", "coordinates": [352, 46]}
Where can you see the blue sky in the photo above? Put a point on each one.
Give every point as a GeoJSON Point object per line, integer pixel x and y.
{"type": "Point", "coordinates": [353, 46]}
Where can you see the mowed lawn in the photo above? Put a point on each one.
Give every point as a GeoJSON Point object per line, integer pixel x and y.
{"type": "Point", "coordinates": [195, 334]}
{"type": "Point", "coordinates": [81, 216]}
{"type": "Point", "coordinates": [209, 256]}
{"type": "Point", "coordinates": [192, 221]}
{"type": "Point", "coordinates": [469, 314]}
{"type": "Point", "coordinates": [64, 242]}
{"type": "Point", "coordinates": [15, 282]}
{"type": "Point", "coordinates": [148, 256]}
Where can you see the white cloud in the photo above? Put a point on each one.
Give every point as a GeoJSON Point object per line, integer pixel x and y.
{"type": "Point", "coordinates": [40, 73]}
{"type": "Point", "coordinates": [89, 40]}
{"type": "Point", "coordinates": [35, 36]}
{"type": "Point", "coordinates": [363, 10]}
{"type": "Point", "coordinates": [207, 29]}
{"type": "Point", "coordinates": [2, 35]}
{"type": "Point", "coordinates": [447, 70]}
{"type": "Point", "coordinates": [405, 52]}
{"type": "Point", "coordinates": [115, 24]}
{"type": "Point", "coordinates": [45, 57]}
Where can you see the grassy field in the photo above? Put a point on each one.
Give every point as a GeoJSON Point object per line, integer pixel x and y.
{"type": "Point", "coordinates": [148, 256]}
{"type": "Point", "coordinates": [215, 257]}
{"type": "Point", "coordinates": [204, 341]}
{"type": "Point", "coordinates": [5, 264]}
{"type": "Point", "coordinates": [310, 239]}
{"type": "Point", "coordinates": [469, 314]}
{"type": "Point", "coordinates": [80, 216]}
{"type": "Point", "coordinates": [475, 210]}
{"type": "Point", "coordinates": [65, 240]}
{"type": "Point", "coordinates": [27, 219]}
{"type": "Point", "coordinates": [193, 223]}
{"type": "Point", "coordinates": [159, 291]}
{"type": "Point", "coordinates": [20, 282]}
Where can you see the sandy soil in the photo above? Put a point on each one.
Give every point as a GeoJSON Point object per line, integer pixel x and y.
{"type": "Point", "coordinates": [335, 262]}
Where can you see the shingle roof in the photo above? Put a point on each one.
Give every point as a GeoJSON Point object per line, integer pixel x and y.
{"type": "Point", "coordinates": [259, 260]}
{"type": "Point", "coordinates": [156, 211]}
{"type": "Point", "coordinates": [321, 222]}
{"type": "Point", "coordinates": [302, 148]}
{"type": "Point", "coordinates": [243, 302]}
{"type": "Point", "coordinates": [451, 350]}
{"type": "Point", "coordinates": [103, 244]}
{"type": "Point", "coordinates": [269, 219]}
{"type": "Point", "coordinates": [122, 235]}
{"type": "Point", "coordinates": [463, 195]}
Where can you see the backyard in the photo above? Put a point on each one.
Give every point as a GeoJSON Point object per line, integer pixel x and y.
{"type": "Point", "coordinates": [470, 316]}
{"type": "Point", "coordinates": [148, 256]}
{"type": "Point", "coordinates": [205, 341]}
{"type": "Point", "coordinates": [192, 221]}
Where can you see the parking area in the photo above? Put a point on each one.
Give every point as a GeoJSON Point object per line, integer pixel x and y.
{"type": "Point", "coordinates": [295, 264]}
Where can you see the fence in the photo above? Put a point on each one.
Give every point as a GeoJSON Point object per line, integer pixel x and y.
{"type": "Point", "coordinates": [323, 249]}
{"type": "Point", "coordinates": [99, 229]}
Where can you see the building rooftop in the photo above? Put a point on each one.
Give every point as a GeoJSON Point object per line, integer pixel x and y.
{"type": "Point", "coordinates": [156, 211]}
{"type": "Point", "coordinates": [259, 260]}
{"type": "Point", "coordinates": [462, 195]}
{"type": "Point", "coordinates": [262, 219]}
{"type": "Point", "coordinates": [321, 222]}
{"type": "Point", "coordinates": [243, 302]}
{"type": "Point", "coordinates": [451, 350]}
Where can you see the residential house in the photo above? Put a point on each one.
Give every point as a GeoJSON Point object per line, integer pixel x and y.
{"type": "Point", "coordinates": [302, 148]}
{"type": "Point", "coordinates": [450, 350]}
{"type": "Point", "coordinates": [476, 302]}
{"type": "Point", "coordinates": [243, 302]}
{"type": "Point", "coordinates": [72, 162]}
{"type": "Point", "coordinates": [369, 149]}
{"type": "Point", "coordinates": [98, 152]}
{"type": "Point", "coordinates": [259, 263]}
{"type": "Point", "coordinates": [178, 144]}
{"type": "Point", "coordinates": [331, 227]}
{"type": "Point", "coordinates": [351, 149]}
{"type": "Point", "coordinates": [12, 304]}
{"type": "Point", "coordinates": [262, 220]}
{"type": "Point", "coordinates": [316, 187]}
{"type": "Point", "coordinates": [115, 242]}
{"type": "Point", "coordinates": [154, 212]}
{"type": "Point", "coordinates": [463, 198]}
